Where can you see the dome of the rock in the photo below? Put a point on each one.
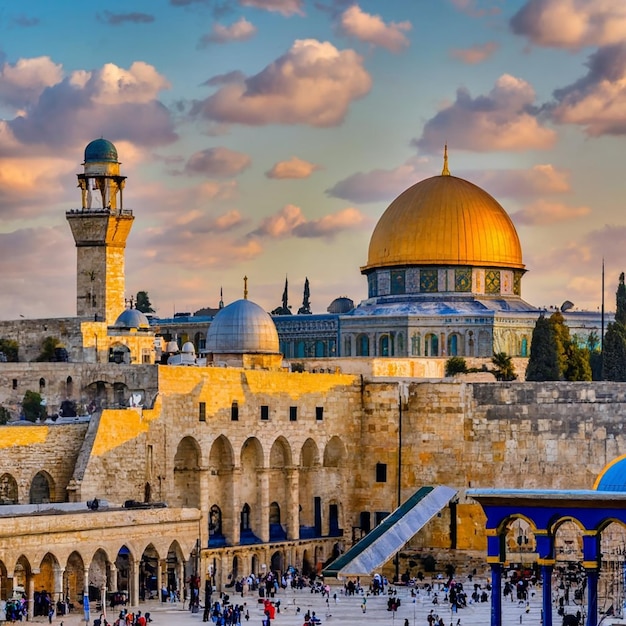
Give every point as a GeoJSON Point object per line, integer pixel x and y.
{"type": "Point", "coordinates": [100, 150]}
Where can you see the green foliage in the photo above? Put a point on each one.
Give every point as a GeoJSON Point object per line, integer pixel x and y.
{"type": "Point", "coordinates": [10, 349]}
{"type": "Point", "coordinates": [578, 365]}
{"type": "Point", "coordinates": [32, 407]}
{"type": "Point", "coordinates": [5, 416]}
{"type": "Point", "coordinates": [614, 354]}
{"type": "Point", "coordinates": [620, 296]}
{"type": "Point", "coordinates": [142, 303]}
{"type": "Point", "coordinates": [456, 365]}
{"type": "Point", "coordinates": [48, 346]}
{"type": "Point", "coordinates": [595, 362]}
{"type": "Point", "coordinates": [562, 340]}
{"type": "Point", "coordinates": [543, 363]}
{"type": "Point", "coordinates": [503, 367]}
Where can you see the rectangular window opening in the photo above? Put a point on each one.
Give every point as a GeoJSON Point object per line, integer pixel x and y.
{"type": "Point", "coordinates": [293, 413]}
{"type": "Point", "coordinates": [381, 472]}
{"type": "Point", "coordinates": [265, 412]}
{"type": "Point", "coordinates": [202, 411]}
{"type": "Point", "coordinates": [319, 413]}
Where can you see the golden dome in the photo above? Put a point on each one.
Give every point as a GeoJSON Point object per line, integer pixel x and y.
{"type": "Point", "coordinates": [444, 220]}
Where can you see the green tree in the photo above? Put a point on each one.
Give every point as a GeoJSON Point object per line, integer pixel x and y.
{"type": "Point", "coordinates": [48, 346]}
{"type": "Point", "coordinates": [142, 303]}
{"type": "Point", "coordinates": [456, 365]}
{"type": "Point", "coordinates": [10, 348]}
{"type": "Point", "coordinates": [620, 297]}
{"type": "Point", "coordinates": [578, 363]}
{"type": "Point", "coordinates": [32, 407]}
{"type": "Point", "coordinates": [5, 416]}
{"type": "Point", "coordinates": [543, 363]}
{"type": "Point", "coordinates": [503, 366]}
{"type": "Point", "coordinates": [562, 340]}
{"type": "Point", "coordinates": [614, 353]}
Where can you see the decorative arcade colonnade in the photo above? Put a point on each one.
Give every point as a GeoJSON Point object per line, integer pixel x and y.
{"type": "Point", "coordinates": [545, 511]}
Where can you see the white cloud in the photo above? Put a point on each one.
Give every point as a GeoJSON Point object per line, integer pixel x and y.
{"type": "Point", "coordinates": [241, 30]}
{"type": "Point", "coordinates": [571, 24]}
{"type": "Point", "coordinates": [284, 7]}
{"type": "Point", "coordinates": [217, 162]}
{"type": "Point", "coordinates": [354, 22]}
{"type": "Point", "coordinates": [22, 83]}
{"type": "Point", "coordinates": [500, 120]}
{"type": "Point", "coordinates": [541, 179]}
{"type": "Point", "coordinates": [475, 54]}
{"type": "Point", "coordinates": [293, 168]}
{"type": "Point", "coordinates": [313, 83]}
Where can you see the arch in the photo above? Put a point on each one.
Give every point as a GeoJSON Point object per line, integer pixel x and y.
{"type": "Point", "coordinates": [251, 453]}
{"type": "Point", "coordinates": [277, 563]}
{"type": "Point", "coordinates": [385, 346]}
{"type": "Point", "coordinates": [416, 344]}
{"type": "Point", "coordinates": [334, 452]}
{"type": "Point", "coordinates": [44, 584]}
{"type": "Point", "coordinates": [485, 343]}
{"type": "Point", "coordinates": [186, 475]}
{"type": "Point", "coordinates": [244, 517]}
{"type": "Point", "coordinates": [252, 517]}
{"type": "Point", "coordinates": [321, 349]}
{"type": "Point", "coordinates": [216, 536]}
{"type": "Point", "coordinates": [399, 350]}
{"type": "Point", "coordinates": [309, 455]}
{"type": "Point", "coordinates": [119, 353]}
{"type": "Point", "coordinates": [524, 346]}
{"type": "Point", "coordinates": [362, 345]}
{"type": "Point", "coordinates": [149, 585]}
{"type": "Point", "coordinates": [455, 345]}
{"type": "Point", "coordinates": [431, 345]}
{"type": "Point", "coordinates": [277, 532]}
{"type": "Point", "coordinates": [41, 488]}
{"type": "Point", "coordinates": [221, 455]}
{"type": "Point", "coordinates": [300, 349]}
{"type": "Point", "coordinates": [8, 489]}
{"type": "Point", "coordinates": [69, 387]}
{"type": "Point", "coordinates": [42, 384]}
{"type": "Point", "coordinates": [74, 578]}
{"type": "Point", "coordinates": [347, 345]}
{"type": "Point", "coordinates": [280, 454]}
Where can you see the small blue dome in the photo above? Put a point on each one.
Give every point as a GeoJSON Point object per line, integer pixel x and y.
{"type": "Point", "coordinates": [340, 305]}
{"type": "Point", "coordinates": [242, 327]}
{"type": "Point", "coordinates": [100, 150]}
{"type": "Point", "coordinates": [132, 318]}
{"type": "Point", "coordinates": [613, 476]}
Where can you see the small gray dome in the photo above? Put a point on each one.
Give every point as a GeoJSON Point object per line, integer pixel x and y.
{"type": "Point", "coordinates": [188, 348]}
{"type": "Point", "coordinates": [132, 318]}
{"type": "Point", "coordinates": [242, 327]}
{"type": "Point", "coordinates": [340, 305]}
{"type": "Point", "coordinates": [171, 347]}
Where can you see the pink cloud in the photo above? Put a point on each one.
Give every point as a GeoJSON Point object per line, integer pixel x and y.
{"type": "Point", "coordinates": [498, 121]}
{"type": "Point", "coordinates": [293, 168]}
{"type": "Point", "coordinates": [356, 23]}
{"type": "Point", "coordinates": [475, 54]}
{"type": "Point", "coordinates": [540, 179]}
{"type": "Point", "coordinates": [217, 162]}
{"type": "Point", "coordinates": [542, 213]}
{"type": "Point", "coordinates": [313, 83]}
{"type": "Point", "coordinates": [22, 83]}
{"type": "Point", "coordinates": [378, 184]}
{"type": "Point", "coordinates": [571, 24]}
{"type": "Point", "coordinates": [474, 8]}
{"type": "Point", "coordinates": [284, 7]}
{"type": "Point", "coordinates": [291, 222]}
{"type": "Point", "coordinates": [597, 102]}
{"type": "Point", "coordinates": [241, 30]}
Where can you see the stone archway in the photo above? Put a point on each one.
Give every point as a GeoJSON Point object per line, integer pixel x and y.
{"type": "Point", "coordinates": [186, 474]}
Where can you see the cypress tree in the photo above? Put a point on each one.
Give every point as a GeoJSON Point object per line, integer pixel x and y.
{"type": "Point", "coordinates": [614, 354]}
{"type": "Point", "coordinates": [620, 296]}
{"type": "Point", "coordinates": [543, 363]}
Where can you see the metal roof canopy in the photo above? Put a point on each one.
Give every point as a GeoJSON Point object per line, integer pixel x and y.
{"type": "Point", "coordinates": [378, 546]}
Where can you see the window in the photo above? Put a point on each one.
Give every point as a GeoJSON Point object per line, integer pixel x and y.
{"type": "Point", "coordinates": [381, 472]}
{"type": "Point", "coordinates": [397, 282]}
{"type": "Point", "coordinates": [202, 411]}
{"type": "Point", "coordinates": [319, 413]}
{"type": "Point", "coordinates": [265, 412]}
{"type": "Point", "coordinates": [293, 413]}
{"type": "Point", "coordinates": [234, 411]}
{"type": "Point", "coordinates": [15, 383]}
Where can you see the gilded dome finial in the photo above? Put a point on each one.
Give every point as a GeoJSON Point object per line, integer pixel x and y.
{"type": "Point", "coordinates": [445, 171]}
{"type": "Point", "coordinates": [245, 287]}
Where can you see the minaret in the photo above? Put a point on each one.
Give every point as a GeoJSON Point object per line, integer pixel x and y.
{"type": "Point", "coordinates": [100, 229]}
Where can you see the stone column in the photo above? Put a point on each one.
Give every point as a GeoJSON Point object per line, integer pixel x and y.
{"type": "Point", "coordinates": [232, 528]}
{"type": "Point", "coordinates": [133, 583]}
{"type": "Point", "coordinates": [496, 593]}
{"type": "Point", "coordinates": [180, 577]}
{"type": "Point", "coordinates": [159, 576]}
{"type": "Point", "coordinates": [58, 583]}
{"type": "Point", "coordinates": [113, 577]}
{"type": "Point", "coordinates": [263, 489]}
{"type": "Point", "coordinates": [30, 595]}
{"type": "Point", "coordinates": [293, 503]}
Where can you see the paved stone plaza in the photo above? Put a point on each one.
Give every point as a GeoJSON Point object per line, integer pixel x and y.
{"type": "Point", "coordinates": [346, 611]}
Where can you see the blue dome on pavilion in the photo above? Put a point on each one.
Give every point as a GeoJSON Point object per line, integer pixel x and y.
{"type": "Point", "coordinates": [613, 476]}
{"type": "Point", "coordinates": [100, 150]}
{"type": "Point", "coordinates": [132, 318]}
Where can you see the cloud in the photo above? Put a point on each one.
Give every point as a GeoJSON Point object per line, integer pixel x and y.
{"type": "Point", "coordinates": [313, 83]}
{"type": "Point", "coordinates": [217, 162]}
{"type": "Point", "coordinates": [22, 83]}
{"type": "Point", "coordinates": [376, 185]}
{"type": "Point", "coordinates": [241, 30]}
{"type": "Point", "coordinates": [571, 24]}
{"type": "Point", "coordinates": [114, 102]}
{"type": "Point", "coordinates": [284, 7]}
{"type": "Point", "coordinates": [475, 54]}
{"type": "Point", "coordinates": [116, 19]}
{"type": "Point", "coordinates": [293, 168]}
{"type": "Point", "coordinates": [26, 22]}
{"type": "Point", "coordinates": [597, 101]}
{"type": "Point", "coordinates": [291, 222]}
{"type": "Point", "coordinates": [542, 213]}
{"type": "Point", "coordinates": [354, 22]}
{"type": "Point", "coordinates": [500, 120]}
{"type": "Point", "coordinates": [473, 8]}
{"type": "Point", "coordinates": [542, 179]}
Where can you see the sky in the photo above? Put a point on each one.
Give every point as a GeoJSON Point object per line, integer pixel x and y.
{"type": "Point", "coordinates": [265, 138]}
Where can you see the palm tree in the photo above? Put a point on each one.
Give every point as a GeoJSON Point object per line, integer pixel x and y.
{"type": "Point", "coordinates": [503, 366]}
